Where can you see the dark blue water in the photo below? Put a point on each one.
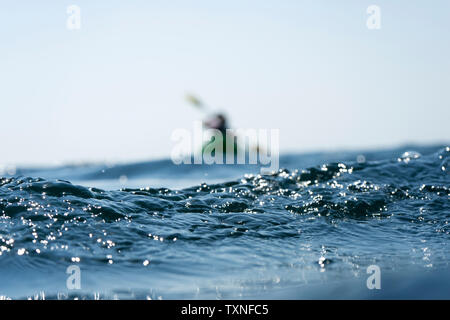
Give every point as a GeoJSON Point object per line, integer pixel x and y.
{"type": "Point", "coordinates": [160, 231]}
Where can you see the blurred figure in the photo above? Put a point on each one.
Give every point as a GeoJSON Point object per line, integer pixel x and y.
{"type": "Point", "coordinates": [217, 121]}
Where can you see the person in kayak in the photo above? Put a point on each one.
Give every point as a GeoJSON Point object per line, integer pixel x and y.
{"type": "Point", "coordinates": [218, 121]}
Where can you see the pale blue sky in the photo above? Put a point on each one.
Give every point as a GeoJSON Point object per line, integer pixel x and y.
{"type": "Point", "coordinates": [114, 89]}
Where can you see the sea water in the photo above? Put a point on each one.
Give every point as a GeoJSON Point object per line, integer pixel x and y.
{"type": "Point", "coordinates": [155, 230]}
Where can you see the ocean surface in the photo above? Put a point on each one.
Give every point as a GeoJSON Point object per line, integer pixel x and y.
{"type": "Point", "coordinates": [155, 230]}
